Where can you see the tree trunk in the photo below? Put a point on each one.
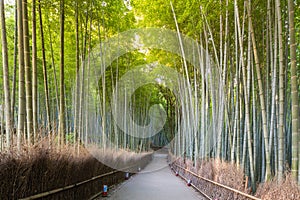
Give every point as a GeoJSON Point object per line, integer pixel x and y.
{"type": "Point", "coordinates": [273, 123]}
{"type": "Point", "coordinates": [261, 93]}
{"type": "Point", "coordinates": [246, 99]}
{"type": "Point", "coordinates": [8, 118]}
{"type": "Point", "coordinates": [46, 88]}
{"type": "Point", "coordinates": [34, 73]}
{"type": "Point", "coordinates": [86, 105]}
{"type": "Point", "coordinates": [14, 82]}
{"type": "Point", "coordinates": [77, 91]}
{"type": "Point", "coordinates": [294, 86]}
{"type": "Point", "coordinates": [62, 127]}
{"type": "Point", "coordinates": [21, 108]}
{"type": "Point", "coordinates": [83, 82]}
{"type": "Point", "coordinates": [54, 77]}
{"type": "Point", "coordinates": [28, 78]}
{"type": "Point", "coordinates": [281, 138]}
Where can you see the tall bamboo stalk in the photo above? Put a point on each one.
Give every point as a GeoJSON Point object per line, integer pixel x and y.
{"type": "Point", "coordinates": [34, 73]}
{"type": "Point", "coordinates": [54, 78]}
{"type": "Point", "coordinates": [261, 92]}
{"type": "Point", "coordinates": [45, 74]}
{"type": "Point", "coordinates": [281, 137]}
{"type": "Point", "coordinates": [8, 117]}
{"type": "Point", "coordinates": [14, 81]}
{"type": "Point", "coordinates": [77, 79]}
{"type": "Point", "coordinates": [22, 106]}
{"type": "Point", "coordinates": [294, 86]}
{"type": "Point", "coordinates": [246, 99]}
{"type": "Point", "coordinates": [62, 126]}
{"type": "Point", "coordinates": [28, 75]}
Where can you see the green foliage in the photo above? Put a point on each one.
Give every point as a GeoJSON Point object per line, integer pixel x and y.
{"type": "Point", "coordinates": [99, 22]}
{"type": "Point", "coordinates": [70, 138]}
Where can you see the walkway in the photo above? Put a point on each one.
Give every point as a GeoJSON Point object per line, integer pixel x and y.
{"type": "Point", "coordinates": [155, 182]}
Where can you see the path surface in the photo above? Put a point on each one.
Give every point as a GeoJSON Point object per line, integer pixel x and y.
{"type": "Point", "coordinates": [155, 182]}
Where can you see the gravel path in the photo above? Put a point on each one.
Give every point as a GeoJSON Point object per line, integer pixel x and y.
{"type": "Point", "coordinates": [155, 182]}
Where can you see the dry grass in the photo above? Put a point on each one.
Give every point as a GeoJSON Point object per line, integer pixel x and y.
{"type": "Point", "coordinates": [286, 189]}
{"type": "Point", "coordinates": [227, 174]}
{"type": "Point", "coordinates": [120, 159]}
{"type": "Point", "coordinates": [218, 171]}
{"type": "Point", "coordinates": [44, 168]}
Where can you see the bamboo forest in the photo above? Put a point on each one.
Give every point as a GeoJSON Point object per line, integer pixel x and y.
{"type": "Point", "coordinates": [129, 94]}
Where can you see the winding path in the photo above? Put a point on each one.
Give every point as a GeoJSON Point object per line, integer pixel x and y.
{"type": "Point", "coordinates": [155, 182]}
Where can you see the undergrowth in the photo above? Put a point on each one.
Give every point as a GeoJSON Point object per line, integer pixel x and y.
{"type": "Point", "coordinates": [228, 174]}
{"type": "Point", "coordinates": [285, 189]}
{"type": "Point", "coordinates": [44, 167]}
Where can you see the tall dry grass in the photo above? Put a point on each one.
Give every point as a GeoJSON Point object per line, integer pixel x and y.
{"type": "Point", "coordinates": [286, 189]}
{"type": "Point", "coordinates": [227, 174]}
{"type": "Point", "coordinates": [43, 167]}
{"type": "Point", "coordinates": [218, 171]}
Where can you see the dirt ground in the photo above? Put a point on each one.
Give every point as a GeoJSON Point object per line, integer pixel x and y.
{"type": "Point", "coordinates": [155, 182]}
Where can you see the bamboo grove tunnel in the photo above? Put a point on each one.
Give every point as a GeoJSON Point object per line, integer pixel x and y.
{"type": "Point", "coordinates": [149, 98]}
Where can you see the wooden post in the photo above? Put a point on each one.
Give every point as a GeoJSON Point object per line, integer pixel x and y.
{"type": "Point", "coordinates": [246, 183]}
